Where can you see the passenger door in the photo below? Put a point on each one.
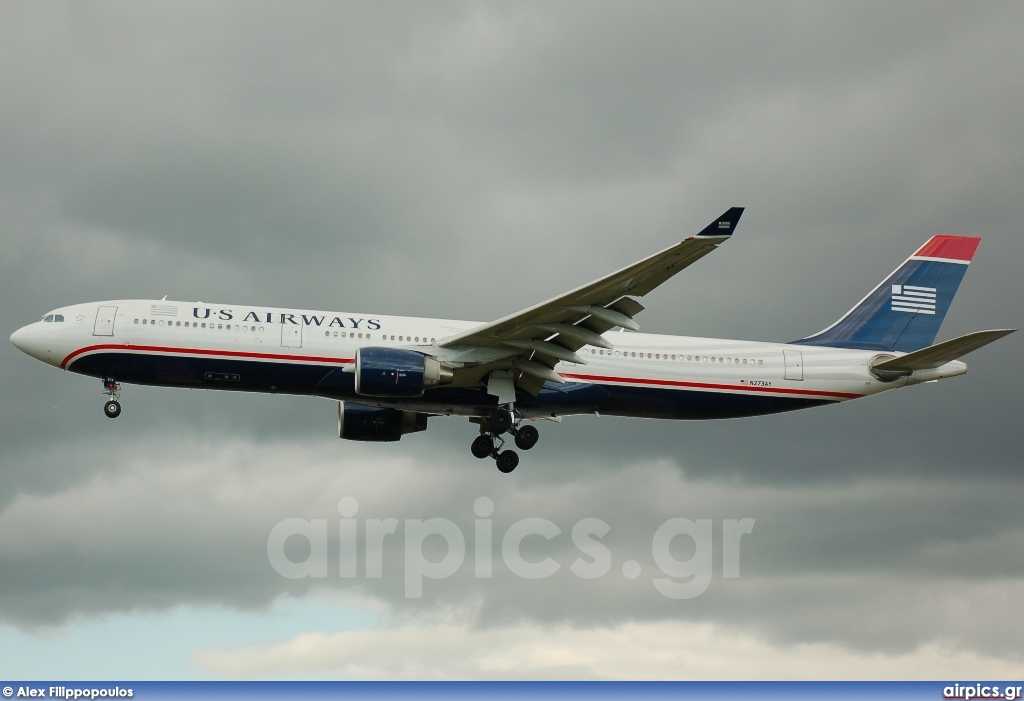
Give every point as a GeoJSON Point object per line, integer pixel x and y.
{"type": "Point", "coordinates": [104, 325]}
{"type": "Point", "coordinates": [794, 364]}
{"type": "Point", "coordinates": [291, 335]}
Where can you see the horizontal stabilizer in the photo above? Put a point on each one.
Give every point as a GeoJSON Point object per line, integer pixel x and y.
{"type": "Point", "coordinates": [941, 353]}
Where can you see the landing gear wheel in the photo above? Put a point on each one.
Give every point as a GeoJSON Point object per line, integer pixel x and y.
{"type": "Point", "coordinates": [527, 437]}
{"type": "Point", "coordinates": [112, 409]}
{"type": "Point", "coordinates": [500, 421]}
{"type": "Point", "coordinates": [482, 446]}
{"type": "Point", "coordinates": [507, 461]}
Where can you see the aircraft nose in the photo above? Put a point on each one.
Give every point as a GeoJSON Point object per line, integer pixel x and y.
{"type": "Point", "coordinates": [20, 339]}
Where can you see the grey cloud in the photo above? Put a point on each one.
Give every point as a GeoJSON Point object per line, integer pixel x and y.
{"type": "Point", "coordinates": [166, 522]}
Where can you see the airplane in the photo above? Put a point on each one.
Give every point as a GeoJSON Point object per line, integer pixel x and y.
{"type": "Point", "coordinates": [558, 358]}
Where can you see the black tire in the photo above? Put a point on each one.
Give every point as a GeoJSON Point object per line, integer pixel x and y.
{"type": "Point", "coordinates": [112, 409]}
{"type": "Point", "coordinates": [482, 446]}
{"type": "Point", "coordinates": [527, 437]}
{"type": "Point", "coordinates": [500, 421]}
{"type": "Point", "coordinates": [507, 461]}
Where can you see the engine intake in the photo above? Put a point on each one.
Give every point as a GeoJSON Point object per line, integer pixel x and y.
{"type": "Point", "coordinates": [358, 422]}
{"type": "Point", "coordinates": [394, 372]}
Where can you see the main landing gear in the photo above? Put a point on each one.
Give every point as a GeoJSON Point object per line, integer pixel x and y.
{"type": "Point", "coordinates": [111, 388]}
{"type": "Point", "coordinates": [490, 442]}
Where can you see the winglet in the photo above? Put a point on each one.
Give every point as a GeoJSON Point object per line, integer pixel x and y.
{"type": "Point", "coordinates": [723, 226]}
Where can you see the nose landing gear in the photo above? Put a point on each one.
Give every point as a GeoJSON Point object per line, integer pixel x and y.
{"type": "Point", "coordinates": [111, 388]}
{"type": "Point", "coordinates": [489, 443]}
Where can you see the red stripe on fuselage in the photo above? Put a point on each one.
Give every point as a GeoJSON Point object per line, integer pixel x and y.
{"type": "Point", "coordinates": [709, 385]}
{"type": "Point", "coordinates": [203, 351]}
{"type": "Point", "coordinates": [949, 247]}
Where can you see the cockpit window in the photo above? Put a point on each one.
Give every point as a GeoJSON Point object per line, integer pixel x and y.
{"type": "Point", "coordinates": [53, 317]}
{"type": "Point", "coordinates": [58, 317]}
{"type": "Point", "coordinates": [48, 318]}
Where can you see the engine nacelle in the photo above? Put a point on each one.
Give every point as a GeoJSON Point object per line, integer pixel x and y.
{"type": "Point", "coordinates": [358, 422]}
{"type": "Point", "coordinates": [394, 372]}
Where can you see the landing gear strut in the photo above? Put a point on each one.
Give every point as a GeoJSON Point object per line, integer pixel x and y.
{"type": "Point", "coordinates": [111, 388]}
{"type": "Point", "coordinates": [490, 442]}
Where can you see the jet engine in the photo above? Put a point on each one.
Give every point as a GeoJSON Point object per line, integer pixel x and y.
{"type": "Point", "coordinates": [358, 422]}
{"type": "Point", "coordinates": [394, 372]}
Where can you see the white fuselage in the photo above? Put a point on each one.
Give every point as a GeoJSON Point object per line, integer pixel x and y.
{"type": "Point", "coordinates": [286, 350]}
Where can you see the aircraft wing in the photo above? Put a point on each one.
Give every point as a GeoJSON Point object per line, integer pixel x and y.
{"type": "Point", "coordinates": [554, 330]}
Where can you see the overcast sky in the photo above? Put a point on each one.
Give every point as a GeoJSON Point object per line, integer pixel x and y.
{"type": "Point", "coordinates": [465, 160]}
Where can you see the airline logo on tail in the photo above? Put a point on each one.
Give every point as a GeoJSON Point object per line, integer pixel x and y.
{"type": "Point", "coordinates": [913, 299]}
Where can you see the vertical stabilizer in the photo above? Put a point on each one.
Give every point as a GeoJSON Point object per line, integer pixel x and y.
{"type": "Point", "coordinates": [904, 312]}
